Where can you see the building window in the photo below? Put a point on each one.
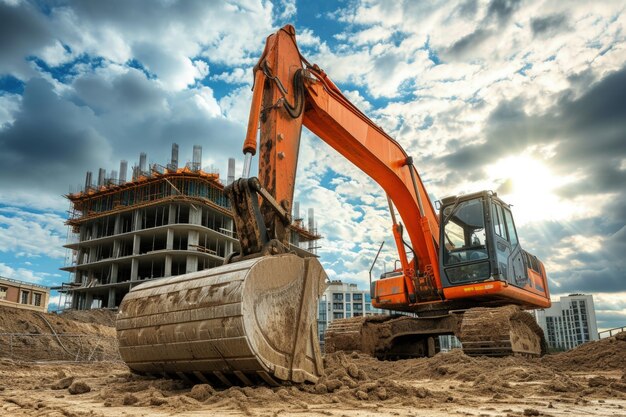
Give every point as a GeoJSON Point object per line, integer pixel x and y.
{"type": "Point", "coordinates": [3, 293]}
{"type": "Point", "coordinates": [337, 297]}
{"type": "Point", "coordinates": [357, 297]}
{"type": "Point", "coordinates": [37, 299]}
{"type": "Point", "coordinates": [358, 307]}
{"type": "Point", "coordinates": [337, 315]}
{"type": "Point", "coordinates": [347, 296]}
{"type": "Point", "coordinates": [337, 306]}
{"type": "Point", "coordinates": [24, 299]}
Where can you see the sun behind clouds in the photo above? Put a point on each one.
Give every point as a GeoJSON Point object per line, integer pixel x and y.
{"type": "Point", "coordinates": [531, 188]}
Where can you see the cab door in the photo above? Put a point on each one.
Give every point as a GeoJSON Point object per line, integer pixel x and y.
{"type": "Point", "coordinates": [501, 243]}
{"type": "Point", "coordinates": [516, 263]}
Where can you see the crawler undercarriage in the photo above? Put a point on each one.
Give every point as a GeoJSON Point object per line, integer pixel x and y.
{"type": "Point", "coordinates": [500, 331]}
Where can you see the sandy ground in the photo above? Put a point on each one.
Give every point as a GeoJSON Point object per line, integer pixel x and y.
{"type": "Point", "coordinates": [587, 381]}
{"type": "Point", "coordinates": [447, 385]}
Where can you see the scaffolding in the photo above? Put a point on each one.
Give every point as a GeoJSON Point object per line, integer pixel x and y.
{"type": "Point", "coordinates": [181, 184]}
{"type": "Point", "coordinates": [164, 221]}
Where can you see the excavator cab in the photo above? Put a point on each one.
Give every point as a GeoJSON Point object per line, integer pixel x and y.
{"type": "Point", "coordinates": [479, 245]}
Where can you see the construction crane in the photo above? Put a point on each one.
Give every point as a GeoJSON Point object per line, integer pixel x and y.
{"type": "Point", "coordinates": [462, 270]}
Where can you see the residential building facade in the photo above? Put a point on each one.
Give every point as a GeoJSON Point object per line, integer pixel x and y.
{"type": "Point", "coordinates": [344, 301]}
{"type": "Point", "coordinates": [163, 221]}
{"type": "Point", "coordinates": [341, 300]}
{"type": "Point", "coordinates": [24, 295]}
{"type": "Point", "coordinates": [570, 322]}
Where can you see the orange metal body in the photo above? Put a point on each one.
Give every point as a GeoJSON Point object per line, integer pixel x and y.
{"type": "Point", "coordinates": [333, 118]}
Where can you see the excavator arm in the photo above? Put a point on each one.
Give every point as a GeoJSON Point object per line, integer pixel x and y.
{"type": "Point", "coordinates": [288, 93]}
{"type": "Point", "coordinates": [253, 319]}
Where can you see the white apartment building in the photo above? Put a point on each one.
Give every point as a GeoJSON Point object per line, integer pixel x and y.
{"type": "Point", "coordinates": [571, 321]}
{"type": "Point", "coordinates": [341, 301]}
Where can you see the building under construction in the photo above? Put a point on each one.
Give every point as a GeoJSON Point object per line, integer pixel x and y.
{"type": "Point", "coordinates": [163, 221]}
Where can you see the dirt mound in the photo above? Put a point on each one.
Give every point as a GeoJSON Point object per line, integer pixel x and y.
{"type": "Point", "coordinates": [354, 385]}
{"type": "Point", "coordinates": [13, 320]}
{"type": "Point", "coordinates": [32, 336]}
{"type": "Point", "coordinates": [605, 355]}
{"type": "Point", "coordinates": [352, 381]}
{"type": "Point", "coordinates": [346, 382]}
{"type": "Point", "coordinates": [362, 382]}
{"type": "Point", "coordinates": [102, 316]}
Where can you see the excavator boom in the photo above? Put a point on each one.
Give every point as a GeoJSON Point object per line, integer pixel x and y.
{"type": "Point", "coordinates": [254, 318]}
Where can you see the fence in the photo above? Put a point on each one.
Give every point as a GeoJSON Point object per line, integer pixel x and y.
{"type": "Point", "coordinates": [611, 332]}
{"type": "Point", "coordinates": [51, 347]}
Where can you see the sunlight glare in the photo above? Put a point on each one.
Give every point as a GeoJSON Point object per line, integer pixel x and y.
{"type": "Point", "coordinates": [529, 186]}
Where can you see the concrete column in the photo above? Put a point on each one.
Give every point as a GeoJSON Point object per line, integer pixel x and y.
{"type": "Point", "coordinates": [168, 266]}
{"type": "Point", "coordinates": [114, 269]}
{"type": "Point", "coordinates": [116, 248]}
{"type": "Point", "coordinates": [82, 256]}
{"type": "Point", "coordinates": [195, 215]}
{"type": "Point", "coordinates": [75, 300]}
{"type": "Point", "coordinates": [228, 224]}
{"type": "Point", "coordinates": [92, 254]}
{"type": "Point", "coordinates": [169, 243]}
{"type": "Point", "coordinates": [117, 228]}
{"type": "Point", "coordinates": [111, 303]}
{"type": "Point", "coordinates": [137, 216]}
{"type": "Point", "coordinates": [136, 243]}
{"type": "Point", "coordinates": [193, 238]}
{"type": "Point", "coordinates": [192, 263]}
{"type": "Point", "coordinates": [94, 230]}
{"type": "Point", "coordinates": [171, 219]}
{"type": "Point", "coordinates": [88, 300]}
{"type": "Point", "coordinates": [82, 233]}
{"type": "Point", "coordinates": [134, 269]}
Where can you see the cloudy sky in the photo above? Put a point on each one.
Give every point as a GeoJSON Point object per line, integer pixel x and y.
{"type": "Point", "coordinates": [527, 98]}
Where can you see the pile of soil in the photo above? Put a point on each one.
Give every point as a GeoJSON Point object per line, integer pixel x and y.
{"type": "Point", "coordinates": [361, 381]}
{"type": "Point", "coordinates": [606, 355]}
{"type": "Point", "coordinates": [354, 384]}
{"type": "Point", "coordinates": [354, 381]}
{"type": "Point", "coordinates": [32, 336]}
{"type": "Point", "coordinates": [346, 382]}
{"type": "Point", "coordinates": [102, 316]}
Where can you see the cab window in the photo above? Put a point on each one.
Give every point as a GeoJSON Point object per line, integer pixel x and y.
{"type": "Point", "coordinates": [464, 232]}
{"type": "Point", "coordinates": [498, 221]}
{"type": "Point", "coordinates": [511, 227]}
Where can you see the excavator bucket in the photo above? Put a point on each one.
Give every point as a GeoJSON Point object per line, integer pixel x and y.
{"type": "Point", "coordinates": [242, 323]}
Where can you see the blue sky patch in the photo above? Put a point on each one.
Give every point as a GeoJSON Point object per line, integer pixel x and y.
{"type": "Point", "coordinates": [11, 85]}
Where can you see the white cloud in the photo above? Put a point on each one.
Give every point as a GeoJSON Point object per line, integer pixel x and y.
{"type": "Point", "coordinates": [236, 76]}
{"type": "Point", "coordinates": [286, 9]}
{"type": "Point", "coordinates": [385, 55]}
{"type": "Point", "coordinates": [9, 105]}
{"type": "Point", "coordinates": [29, 234]}
{"type": "Point", "coordinates": [21, 274]}
{"type": "Point", "coordinates": [306, 38]}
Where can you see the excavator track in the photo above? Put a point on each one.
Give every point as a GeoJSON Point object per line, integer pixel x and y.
{"type": "Point", "coordinates": [501, 331]}
{"type": "Point", "coordinates": [242, 323]}
{"type": "Point", "coordinates": [389, 337]}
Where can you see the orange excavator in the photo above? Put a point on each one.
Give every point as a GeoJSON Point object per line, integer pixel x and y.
{"type": "Point", "coordinates": [462, 271]}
